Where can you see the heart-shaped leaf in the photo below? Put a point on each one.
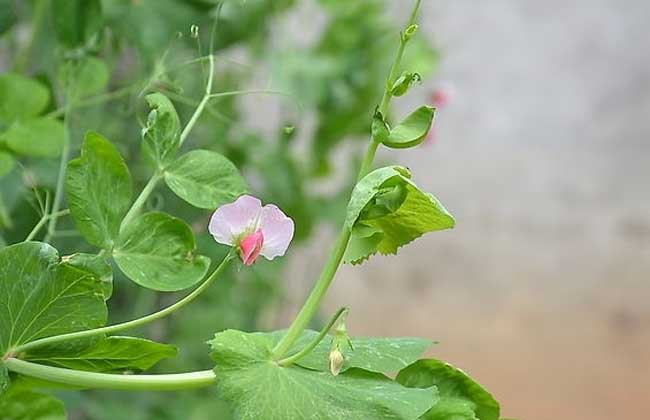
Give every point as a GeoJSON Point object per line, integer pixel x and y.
{"type": "Point", "coordinates": [387, 210]}
{"type": "Point", "coordinates": [413, 130]}
{"type": "Point", "coordinates": [460, 396]}
{"type": "Point", "coordinates": [158, 251]}
{"type": "Point", "coordinates": [161, 136]}
{"type": "Point", "coordinates": [205, 179]}
{"type": "Point", "coordinates": [258, 388]}
{"type": "Point", "coordinates": [21, 97]}
{"type": "Point", "coordinates": [98, 190]}
{"type": "Point", "coordinates": [39, 137]}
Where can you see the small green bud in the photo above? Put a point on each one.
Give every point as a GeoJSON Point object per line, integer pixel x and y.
{"type": "Point", "coordinates": [404, 82]}
{"type": "Point", "coordinates": [409, 32]}
{"type": "Point", "coordinates": [336, 361]}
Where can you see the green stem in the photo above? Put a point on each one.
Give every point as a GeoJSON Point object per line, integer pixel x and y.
{"type": "Point", "coordinates": [142, 199]}
{"type": "Point", "coordinates": [202, 104]}
{"type": "Point", "coordinates": [94, 100]}
{"type": "Point", "coordinates": [58, 194]}
{"type": "Point", "coordinates": [311, 305]}
{"type": "Point", "coordinates": [82, 379]}
{"type": "Point", "coordinates": [42, 222]}
{"type": "Point", "coordinates": [133, 323]}
{"type": "Point", "coordinates": [302, 353]}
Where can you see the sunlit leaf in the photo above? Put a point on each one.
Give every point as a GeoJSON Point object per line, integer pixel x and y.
{"type": "Point", "coordinates": [158, 251]}
{"type": "Point", "coordinates": [205, 179]}
{"type": "Point", "coordinates": [258, 388]}
{"type": "Point", "coordinates": [460, 397]}
{"type": "Point", "coordinates": [97, 265]}
{"type": "Point", "coordinates": [160, 138]}
{"type": "Point", "coordinates": [98, 190]}
{"type": "Point", "coordinates": [387, 210]}
{"type": "Point", "coordinates": [21, 97]}
{"type": "Point", "coordinates": [413, 130]}
{"type": "Point", "coordinates": [38, 137]}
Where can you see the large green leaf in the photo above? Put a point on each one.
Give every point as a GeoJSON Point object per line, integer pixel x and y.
{"type": "Point", "coordinates": [96, 264]}
{"type": "Point", "coordinates": [257, 388]}
{"type": "Point", "coordinates": [21, 97]}
{"type": "Point", "coordinates": [158, 251]}
{"type": "Point", "coordinates": [387, 210]}
{"type": "Point", "coordinates": [41, 297]}
{"type": "Point", "coordinates": [461, 398]}
{"type": "Point", "coordinates": [205, 179]}
{"type": "Point", "coordinates": [98, 189]}
{"type": "Point", "coordinates": [30, 405]}
{"type": "Point", "coordinates": [413, 130]}
{"type": "Point", "coordinates": [161, 137]}
{"type": "Point", "coordinates": [39, 137]}
{"type": "Point", "coordinates": [375, 354]}
{"type": "Point", "coordinates": [113, 355]}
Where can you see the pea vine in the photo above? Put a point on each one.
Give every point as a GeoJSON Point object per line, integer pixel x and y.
{"type": "Point", "coordinates": [53, 309]}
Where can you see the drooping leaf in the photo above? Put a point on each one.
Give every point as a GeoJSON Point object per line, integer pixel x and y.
{"type": "Point", "coordinates": [97, 265]}
{"type": "Point", "coordinates": [85, 77]}
{"type": "Point", "coordinates": [375, 354]}
{"type": "Point", "coordinates": [21, 97]}
{"type": "Point", "coordinates": [258, 388]}
{"type": "Point", "coordinates": [30, 405]}
{"type": "Point", "coordinates": [460, 396]}
{"type": "Point", "coordinates": [413, 130]}
{"type": "Point", "coordinates": [205, 179]}
{"type": "Point", "coordinates": [41, 297]}
{"type": "Point", "coordinates": [111, 355]}
{"type": "Point", "coordinates": [98, 190]}
{"type": "Point", "coordinates": [158, 251]}
{"type": "Point", "coordinates": [39, 137]}
{"type": "Point", "coordinates": [161, 136]}
{"type": "Point", "coordinates": [387, 210]}
{"type": "Point", "coordinates": [75, 21]}
{"type": "Point", "coordinates": [6, 163]}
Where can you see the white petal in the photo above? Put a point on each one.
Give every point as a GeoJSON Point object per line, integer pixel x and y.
{"type": "Point", "coordinates": [278, 231]}
{"type": "Point", "coordinates": [229, 221]}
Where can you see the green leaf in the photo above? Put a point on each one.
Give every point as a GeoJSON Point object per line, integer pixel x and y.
{"type": "Point", "coordinates": [258, 388]}
{"type": "Point", "coordinates": [39, 137]}
{"type": "Point", "coordinates": [387, 210]}
{"type": "Point", "coordinates": [85, 77]}
{"type": "Point", "coordinates": [75, 21]}
{"type": "Point", "coordinates": [41, 297]}
{"type": "Point", "coordinates": [98, 189]}
{"type": "Point", "coordinates": [375, 354]}
{"type": "Point", "coordinates": [158, 251]}
{"type": "Point", "coordinates": [379, 128]}
{"type": "Point", "coordinates": [205, 179]}
{"type": "Point", "coordinates": [21, 97]}
{"type": "Point", "coordinates": [6, 163]}
{"type": "Point", "coordinates": [29, 405]}
{"type": "Point", "coordinates": [4, 378]}
{"type": "Point", "coordinates": [461, 398]}
{"type": "Point", "coordinates": [161, 137]}
{"type": "Point", "coordinates": [97, 265]}
{"type": "Point", "coordinates": [413, 130]}
{"type": "Point", "coordinates": [112, 355]}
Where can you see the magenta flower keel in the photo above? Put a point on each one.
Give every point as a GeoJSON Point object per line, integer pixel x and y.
{"type": "Point", "coordinates": [253, 229]}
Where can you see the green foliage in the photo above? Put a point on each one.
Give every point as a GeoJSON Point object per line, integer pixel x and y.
{"type": "Point", "coordinates": [412, 131]}
{"type": "Point", "coordinates": [256, 387]}
{"type": "Point", "coordinates": [6, 163]}
{"type": "Point", "coordinates": [84, 77]}
{"type": "Point", "coordinates": [30, 405]}
{"type": "Point", "coordinates": [161, 136]}
{"type": "Point", "coordinates": [158, 251]}
{"type": "Point", "coordinates": [75, 21]}
{"type": "Point", "coordinates": [460, 397]}
{"type": "Point", "coordinates": [387, 210]}
{"type": "Point", "coordinates": [96, 264]}
{"type": "Point", "coordinates": [205, 179]}
{"type": "Point", "coordinates": [98, 189]}
{"type": "Point", "coordinates": [37, 137]}
{"type": "Point", "coordinates": [21, 97]}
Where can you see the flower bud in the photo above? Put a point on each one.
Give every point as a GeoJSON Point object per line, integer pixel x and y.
{"type": "Point", "coordinates": [336, 361]}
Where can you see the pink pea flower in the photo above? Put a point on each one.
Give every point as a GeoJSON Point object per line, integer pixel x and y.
{"type": "Point", "coordinates": [253, 229]}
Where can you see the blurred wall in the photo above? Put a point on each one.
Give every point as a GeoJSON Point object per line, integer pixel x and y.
{"type": "Point", "coordinates": [543, 156]}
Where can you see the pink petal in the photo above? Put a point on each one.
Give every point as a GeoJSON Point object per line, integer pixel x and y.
{"type": "Point", "coordinates": [230, 221]}
{"type": "Point", "coordinates": [278, 231]}
{"type": "Point", "coordinates": [250, 247]}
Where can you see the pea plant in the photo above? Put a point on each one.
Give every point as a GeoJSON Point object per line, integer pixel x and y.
{"type": "Point", "coordinates": [53, 308]}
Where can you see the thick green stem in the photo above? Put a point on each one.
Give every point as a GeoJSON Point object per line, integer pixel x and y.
{"type": "Point", "coordinates": [82, 379]}
{"type": "Point", "coordinates": [142, 199]}
{"type": "Point", "coordinates": [133, 323]}
{"type": "Point", "coordinates": [302, 353]}
{"type": "Point", "coordinates": [311, 305]}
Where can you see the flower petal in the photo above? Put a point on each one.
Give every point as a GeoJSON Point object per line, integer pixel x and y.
{"type": "Point", "coordinates": [230, 221]}
{"type": "Point", "coordinates": [278, 231]}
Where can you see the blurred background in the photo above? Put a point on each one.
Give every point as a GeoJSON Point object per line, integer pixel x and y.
{"type": "Point", "coordinates": [540, 151]}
